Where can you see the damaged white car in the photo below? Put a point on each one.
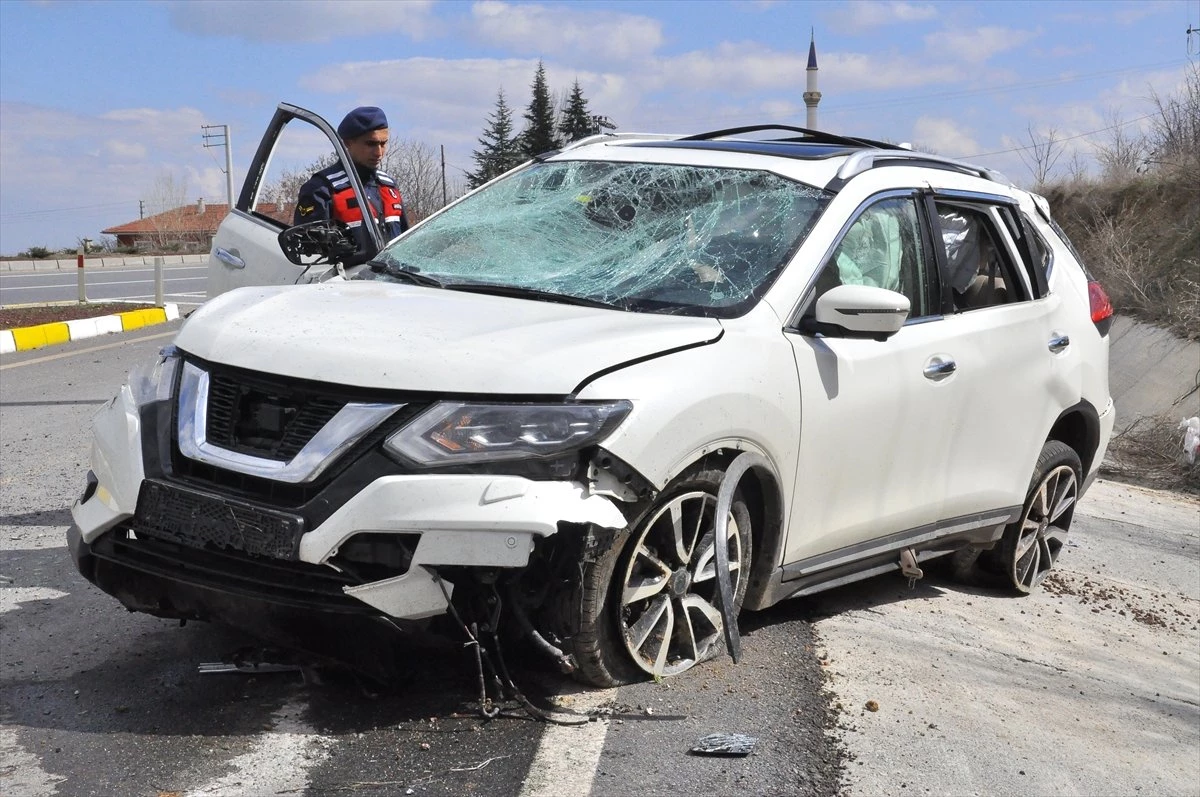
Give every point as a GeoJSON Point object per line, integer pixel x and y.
{"type": "Point", "coordinates": [616, 397]}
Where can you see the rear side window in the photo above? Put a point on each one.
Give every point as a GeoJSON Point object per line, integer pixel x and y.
{"type": "Point", "coordinates": [1043, 255]}
{"type": "Point", "coordinates": [979, 266]}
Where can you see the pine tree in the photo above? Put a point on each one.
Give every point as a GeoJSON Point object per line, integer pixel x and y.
{"type": "Point", "coordinates": [576, 122]}
{"type": "Point", "coordinates": [540, 135]}
{"type": "Point", "coordinates": [499, 149]}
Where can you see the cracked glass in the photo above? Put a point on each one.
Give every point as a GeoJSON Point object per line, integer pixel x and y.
{"type": "Point", "coordinates": [634, 236]}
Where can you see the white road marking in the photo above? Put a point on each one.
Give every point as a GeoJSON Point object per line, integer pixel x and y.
{"type": "Point", "coordinates": [21, 772]}
{"type": "Point", "coordinates": [566, 759]}
{"type": "Point", "coordinates": [277, 763]}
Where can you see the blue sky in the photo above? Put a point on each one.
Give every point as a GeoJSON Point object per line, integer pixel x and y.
{"type": "Point", "coordinates": [99, 102]}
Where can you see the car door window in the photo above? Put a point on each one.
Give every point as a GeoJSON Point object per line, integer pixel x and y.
{"type": "Point", "coordinates": [979, 264]}
{"type": "Point", "coordinates": [884, 248]}
{"type": "Point", "coordinates": [300, 151]}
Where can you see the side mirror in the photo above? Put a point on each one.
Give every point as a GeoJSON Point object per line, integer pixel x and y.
{"type": "Point", "coordinates": [861, 311]}
{"type": "Point", "coordinates": [316, 243]}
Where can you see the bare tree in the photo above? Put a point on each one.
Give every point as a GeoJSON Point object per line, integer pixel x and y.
{"type": "Point", "coordinates": [1077, 169]}
{"type": "Point", "coordinates": [1123, 153]}
{"type": "Point", "coordinates": [1041, 155]}
{"type": "Point", "coordinates": [168, 206]}
{"type": "Point", "coordinates": [1174, 138]}
{"type": "Point", "coordinates": [417, 170]}
{"type": "Point", "coordinates": [285, 187]}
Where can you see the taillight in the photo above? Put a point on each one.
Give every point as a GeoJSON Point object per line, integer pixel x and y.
{"type": "Point", "coordinates": [1102, 309]}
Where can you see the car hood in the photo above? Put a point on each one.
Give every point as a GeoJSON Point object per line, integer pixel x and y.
{"type": "Point", "coordinates": [403, 337]}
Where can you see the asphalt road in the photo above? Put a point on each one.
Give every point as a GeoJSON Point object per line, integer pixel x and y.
{"type": "Point", "coordinates": [182, 284]}
{"type": "Point", "coordinates": [1091, 687]}
{"type": "Point", "coordinates": [97, 701]}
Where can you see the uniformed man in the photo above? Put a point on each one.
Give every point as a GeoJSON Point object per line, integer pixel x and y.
{"type": "Point", "coordinates": [329, 195]}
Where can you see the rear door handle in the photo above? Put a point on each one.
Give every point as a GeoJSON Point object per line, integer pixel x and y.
{"type": "Point", "coordinates": [1059, 343]}
{"type": "Point", "coordinates": [229, 257]}
{"type": "Point", "coordinates": [939, 367]}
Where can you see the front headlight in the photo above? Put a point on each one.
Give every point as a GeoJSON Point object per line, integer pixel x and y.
{"type": "Point", "coordinates": [155, 381]}
{"type": "Point", "coordinates": [450, 433]}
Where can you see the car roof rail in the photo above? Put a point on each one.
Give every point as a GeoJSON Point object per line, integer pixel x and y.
{"type": "Point", "coordinates": [598, 137]}
{"type": "Point", "coordinates": [808, 136]}
{"type": "Point", "coordinates": [858, 162]}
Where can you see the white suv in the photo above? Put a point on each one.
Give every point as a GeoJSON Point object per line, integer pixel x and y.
{"type": "Point", "coordinates": [545, 403]}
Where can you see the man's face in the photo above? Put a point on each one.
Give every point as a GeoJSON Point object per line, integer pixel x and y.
{"type": "Point", "coordinates": [367, 150]}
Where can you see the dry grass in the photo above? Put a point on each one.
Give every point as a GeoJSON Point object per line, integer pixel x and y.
{"type": "Point", "coordinates": [1138, 227]}
{"type": "Point", "coordinates": [1149, 452]}
{"type": "Point", "coordinates": [1140, 236]}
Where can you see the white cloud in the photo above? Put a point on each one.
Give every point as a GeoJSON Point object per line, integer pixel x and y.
{"type": "Point", "coordinates": [978, 45]}
{"type": "Point", "coordinates": [124, 150]}
{"type": "Point", "coordinates": [447, 101]}
{"type": "Point", "coordinates": [748, 66]}
{"type": "Point", "coordinates": [869, 14]}
{"type": "Point", "coordinates": [115, 159]}
{"type": "Point", "coordinates": [575, 30]}
{"type": "Point", "coordinates": [303, 20]}
{"type": "Point", "coordinates": [944, 136]}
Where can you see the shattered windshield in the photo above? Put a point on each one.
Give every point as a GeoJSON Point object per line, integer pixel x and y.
{"type": "Point", "coordinates": [634, 236]}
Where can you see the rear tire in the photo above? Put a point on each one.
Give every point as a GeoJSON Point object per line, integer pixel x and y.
{"type": "Point", "coordinates": [1031, 546]}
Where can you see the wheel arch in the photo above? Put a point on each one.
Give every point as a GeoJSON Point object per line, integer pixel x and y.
{"type": "Point", "coordinates": [763, 495]}
{"type": "Point", "coordinates": [1079, 428]}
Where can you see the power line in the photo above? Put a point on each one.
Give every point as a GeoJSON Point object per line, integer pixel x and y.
{"type": "Point", "coordinates": [16, 215]}
{"type": "Point", "coordinates": [1068, 138]}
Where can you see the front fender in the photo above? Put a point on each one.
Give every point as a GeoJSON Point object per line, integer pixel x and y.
{"type": "Point", "coordinates": [117, 463]}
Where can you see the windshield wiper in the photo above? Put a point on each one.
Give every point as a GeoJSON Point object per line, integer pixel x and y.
{"type": "Point", "coordinates": [402, 271]}
{"type": "Point", "coordinates": [529, 293]}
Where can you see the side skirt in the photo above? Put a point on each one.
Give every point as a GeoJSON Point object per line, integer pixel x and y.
{"type": "Point", "coordinates": [871, 558]}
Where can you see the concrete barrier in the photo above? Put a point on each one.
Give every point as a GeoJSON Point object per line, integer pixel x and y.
{"type": "Point", "coordinates": [1152, 372]}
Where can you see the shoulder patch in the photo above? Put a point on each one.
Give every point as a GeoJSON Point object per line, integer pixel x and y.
{"type": "Point", "coordinates": [304, 210]}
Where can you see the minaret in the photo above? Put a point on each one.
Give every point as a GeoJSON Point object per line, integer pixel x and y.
{"type": "Point", "coordinates": [811, 95]}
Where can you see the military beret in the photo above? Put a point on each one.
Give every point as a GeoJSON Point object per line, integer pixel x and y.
{"type": "Point", "coordinates": [362, 120]}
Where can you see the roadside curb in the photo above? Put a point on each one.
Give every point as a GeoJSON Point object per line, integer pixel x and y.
{"type": "Point", "coordinates": [35, 337]}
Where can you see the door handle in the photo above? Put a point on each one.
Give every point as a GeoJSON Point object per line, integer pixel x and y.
{"type": "Point", "coordinates": [939, 368]}
{"type": "Point", "coordinates": [1059, 343]}
{"type": "Point", "coordinates": [229, 257]}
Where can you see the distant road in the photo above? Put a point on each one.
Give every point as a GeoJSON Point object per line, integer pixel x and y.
{"type": "Point", "coordinates": [182, 284]}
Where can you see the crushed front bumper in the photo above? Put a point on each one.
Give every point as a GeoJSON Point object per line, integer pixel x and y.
{"type": "Point", "coordinates": [171, 567]}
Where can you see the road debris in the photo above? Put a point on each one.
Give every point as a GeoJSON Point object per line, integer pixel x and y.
{"type": "Point", "coordinates": [250, 661]}
{"type": "Point", "coordinates": [724, 744]}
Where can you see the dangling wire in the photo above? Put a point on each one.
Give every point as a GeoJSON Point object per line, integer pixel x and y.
{"type": "Point", "coordinates": [498, 670]}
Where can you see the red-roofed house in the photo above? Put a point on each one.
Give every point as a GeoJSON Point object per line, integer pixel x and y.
{"type": "Point", "coordinates": [189, 227]}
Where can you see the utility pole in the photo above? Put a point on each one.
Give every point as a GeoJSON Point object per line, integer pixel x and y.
{"type": "Point", "coordinates": [141, 208]}
{"type": "Point", "coordinates": [222, 140]}
{"type": "Point", "coordinates": [443, 146]}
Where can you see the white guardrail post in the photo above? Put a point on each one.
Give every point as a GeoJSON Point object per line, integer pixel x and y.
{"type": "Point", "coordinates": [158, 282]}
{"type": "Point", "coordinates": [79, 273]}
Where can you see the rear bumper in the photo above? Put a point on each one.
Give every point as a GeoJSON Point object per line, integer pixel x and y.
{"type": "Point", "coordinates": [1108, 419]}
